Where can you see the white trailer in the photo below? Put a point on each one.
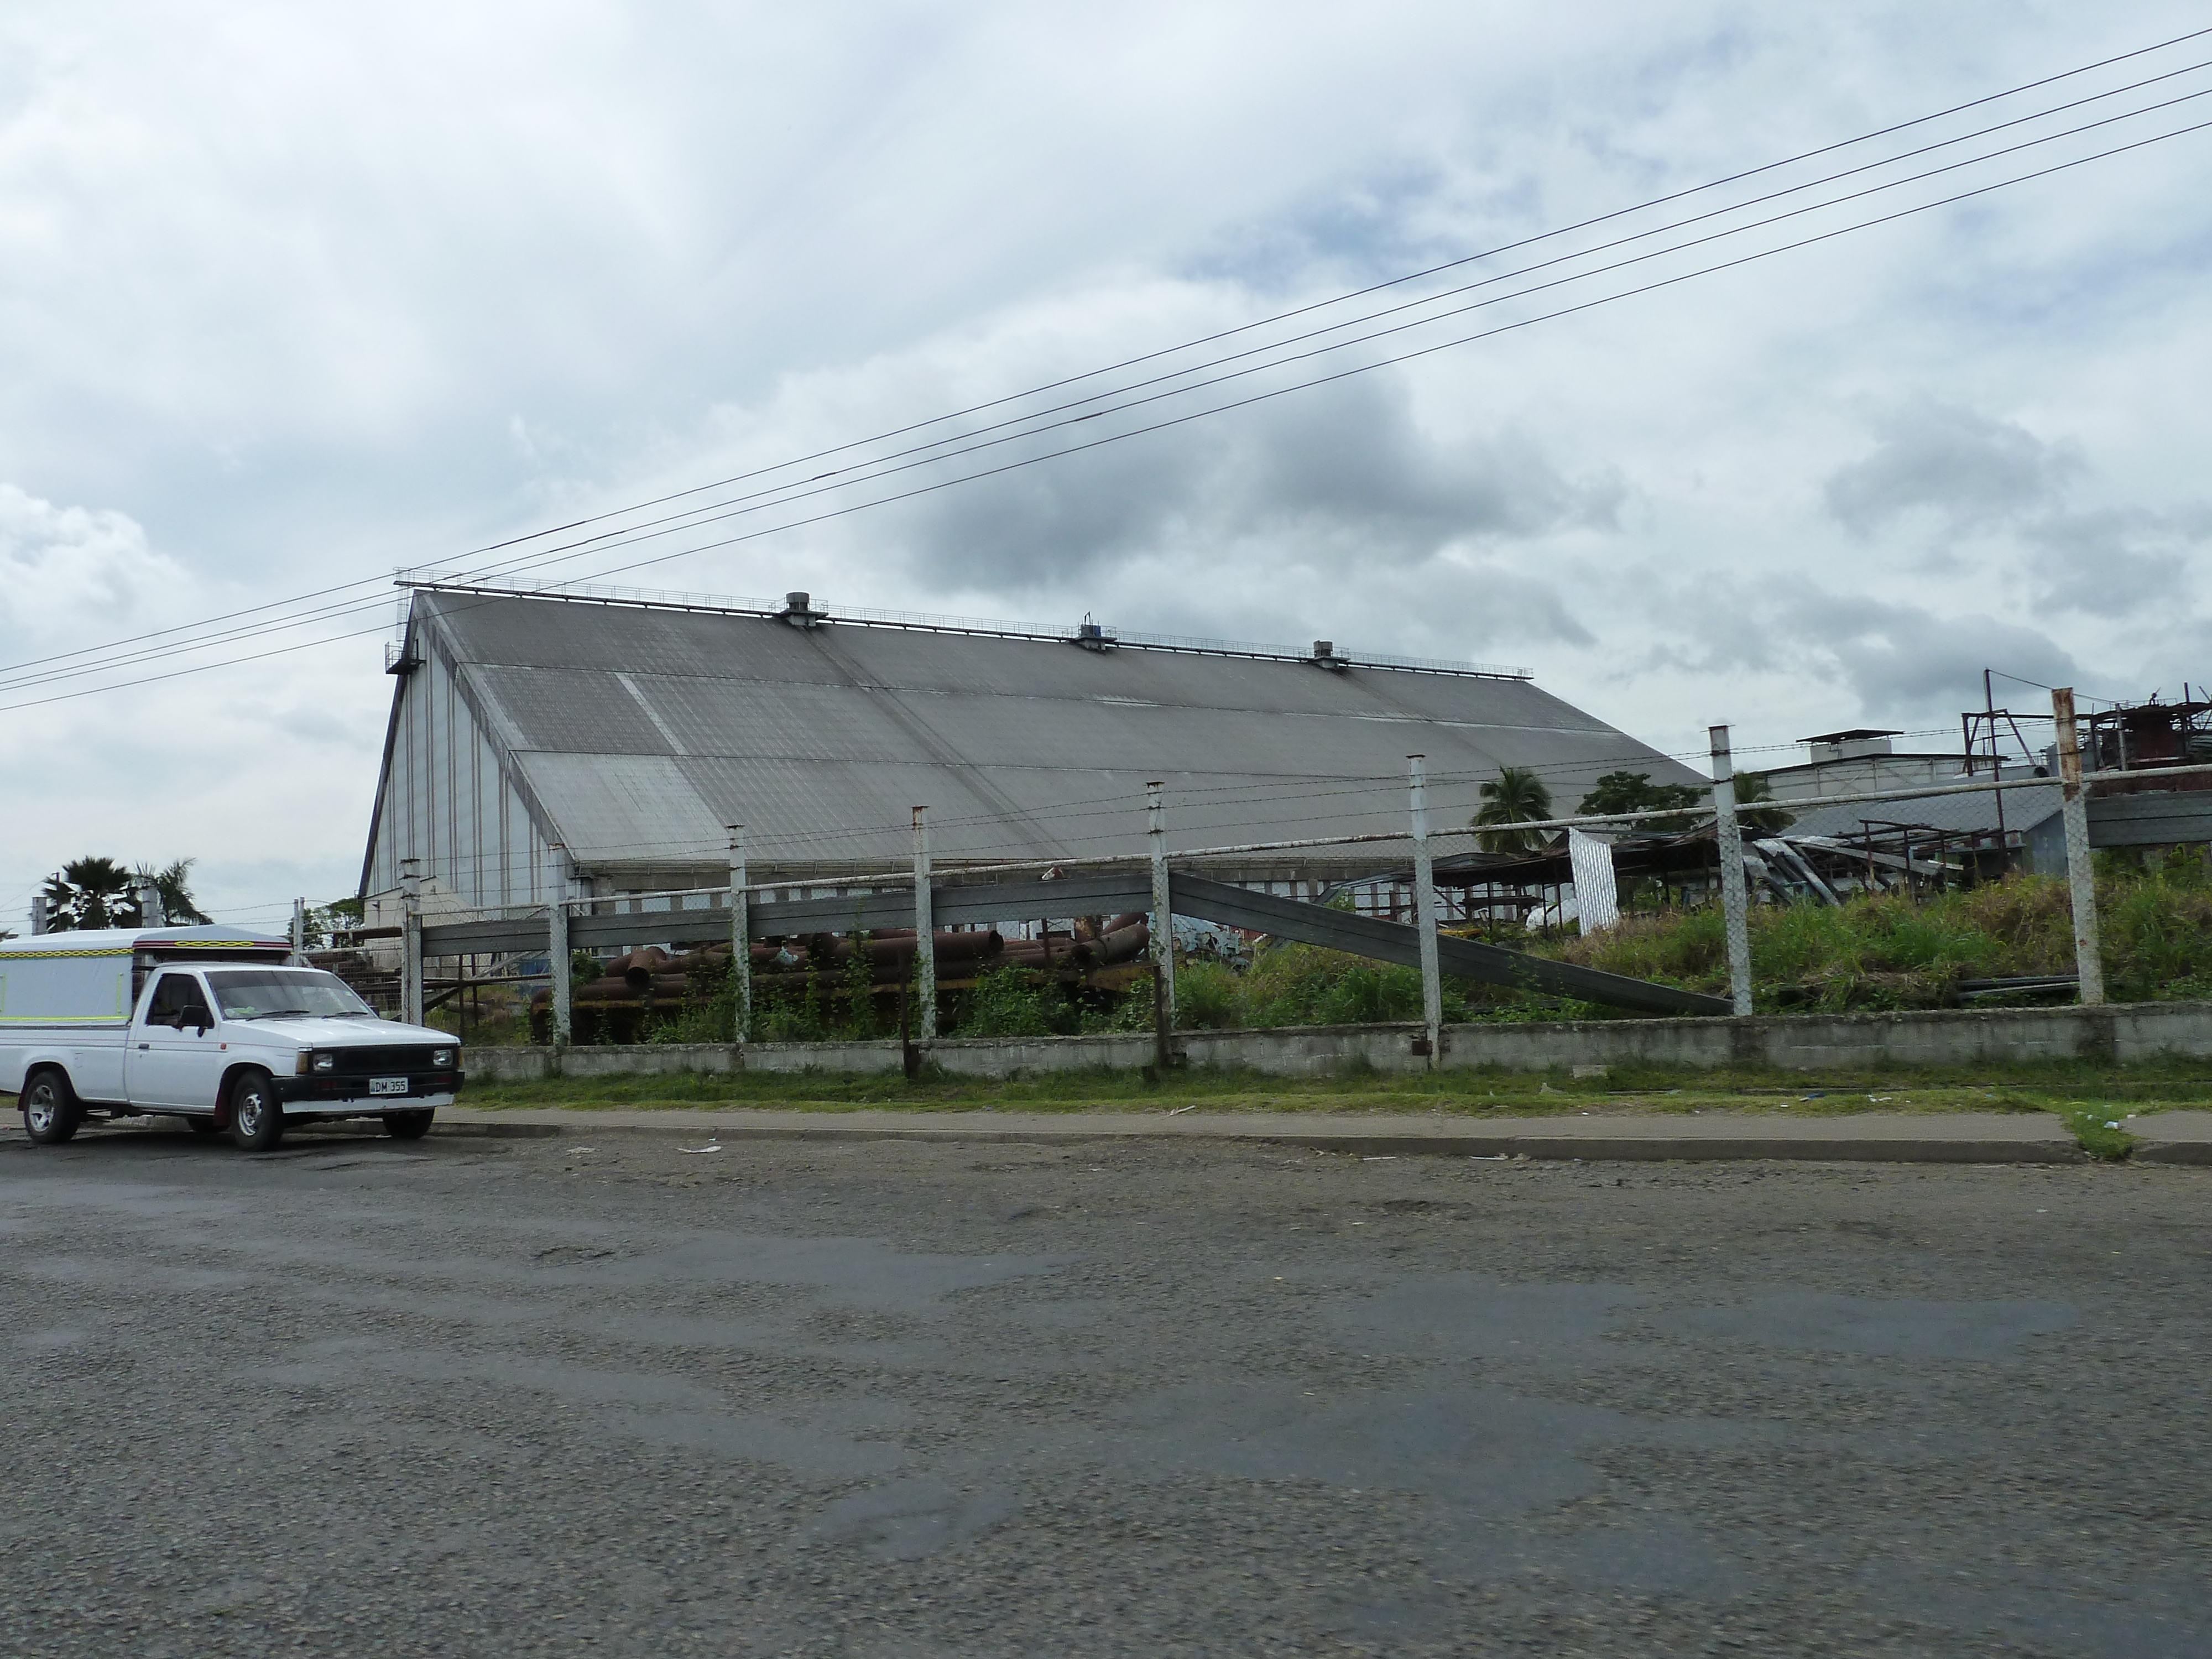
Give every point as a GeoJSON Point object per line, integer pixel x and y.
{"type": "Point", "coordinates": [224, 1027]}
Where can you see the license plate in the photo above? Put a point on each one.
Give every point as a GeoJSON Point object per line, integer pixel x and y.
{"type": "Point", "coordinates": [387, 1086]}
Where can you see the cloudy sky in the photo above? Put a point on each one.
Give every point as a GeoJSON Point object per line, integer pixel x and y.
{"type": "Point", "coordinates": [291, 297]}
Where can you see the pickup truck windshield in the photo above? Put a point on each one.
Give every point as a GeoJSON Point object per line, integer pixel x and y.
{"type": "Point", "coordinates": [277, 993]}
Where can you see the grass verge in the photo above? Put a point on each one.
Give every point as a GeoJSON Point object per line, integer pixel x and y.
{"type": "Point", "coordinates": [2090, 1093]}
{"type": "Point", "coordinates": [2100, 1135]}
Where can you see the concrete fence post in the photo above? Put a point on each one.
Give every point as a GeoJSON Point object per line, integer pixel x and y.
{"type": "Point", "coordinates": [741, 943]}
{"type": "Point", "coordinates": [1735, 900]}
{"type": "Point", "coordinates": [2081, 870]}
{"type": "Point", "coordinates": [1162, 922]}
{"type": "Point", "coordinates": [556, 944]}
{"type": "Point", "coordinates": [1425, 913]}
{"type": "Point", "coordinates": [925, 932]}
{"type": "Point", "coordinates": [410, 941]}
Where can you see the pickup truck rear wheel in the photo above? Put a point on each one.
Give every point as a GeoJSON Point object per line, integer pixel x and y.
{"type": "Point", "coordinates": [52, 1111]}
{"type": "Point", "coordinates": [257, 1117]}
{"type": "Point", "coordinates": [408, 1126]}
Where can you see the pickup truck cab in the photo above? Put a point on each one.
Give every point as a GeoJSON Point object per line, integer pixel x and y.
{"type": "Point", "coordinates": [224, 1028]}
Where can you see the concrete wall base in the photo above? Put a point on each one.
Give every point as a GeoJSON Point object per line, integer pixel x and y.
{"type": "Point", "coordinates": [2122, 1035]}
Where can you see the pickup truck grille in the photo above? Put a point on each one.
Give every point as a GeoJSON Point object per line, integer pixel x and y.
{"type": "Point", "coordinates": [390, 1061]}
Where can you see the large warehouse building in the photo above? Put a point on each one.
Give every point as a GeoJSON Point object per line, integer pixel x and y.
{"type": "Point", "coordinates": [630, 731]}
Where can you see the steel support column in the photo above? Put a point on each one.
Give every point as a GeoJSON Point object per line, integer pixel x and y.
{"type": "Point", "coordinates": [2081, 872]}
{"type": "Point", "coordinates": [556, 945]}
{"type": "Point", "coordinates": [741, 943]}
{"type": "Point", "coordinates": [410, 942]}
{"type": "Point", "coordinates": [925, 934]}
{"type": "Point", "coordinates": [1163, 920]}
{"type": "Point", "coordinates": [1425, 913]}
{"type": "Point", "coordinates": [1735, 902]}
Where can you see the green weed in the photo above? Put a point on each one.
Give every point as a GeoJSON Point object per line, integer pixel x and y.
{"type": "Point", "coordinates": [2101, 1136]}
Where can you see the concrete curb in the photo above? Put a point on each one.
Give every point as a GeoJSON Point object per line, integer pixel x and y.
{"type": "Point", "coordinates": [2171, 1138]}
{"type": "Point", "coordinates": [1966, 1138]}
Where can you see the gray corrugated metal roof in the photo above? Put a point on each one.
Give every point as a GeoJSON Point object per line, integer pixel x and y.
{"type": "Point", "coordinates": [1961, 814]}
{"type": "Point", "coordinates": [642, 731]}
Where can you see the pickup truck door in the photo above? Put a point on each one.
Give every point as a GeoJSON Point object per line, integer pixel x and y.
{"type": "Point", "coordinates": [175, 1058]}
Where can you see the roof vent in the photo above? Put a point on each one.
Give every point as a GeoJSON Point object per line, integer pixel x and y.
{"type": "Point", "coordinates": [1324, 655]}
{"type": "Point", "coordinates": [798, 611]}
{"type": "Point", "coordinates": [1091, 635]}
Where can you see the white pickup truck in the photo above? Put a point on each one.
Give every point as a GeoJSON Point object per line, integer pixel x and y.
{"type": "Point", "coordinates": [222, 1028]}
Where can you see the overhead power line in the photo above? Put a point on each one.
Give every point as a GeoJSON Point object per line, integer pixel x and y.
{"type": "Point", "coordinates": [1203, 340]}
{"type": "Point", "coordinates": [838, 477]}
{"type": "Point", "coordinates": [767, 500]}
{"type": "Point", "coordinates": [1374, 288]}
{"type": "Point", "coordinates": [1366, 367]}
{"type": "Point", "coordinates": [164, 643]}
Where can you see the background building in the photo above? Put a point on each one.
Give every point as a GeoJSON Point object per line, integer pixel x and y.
{"type": "Point", "coordinates": [630, 731]}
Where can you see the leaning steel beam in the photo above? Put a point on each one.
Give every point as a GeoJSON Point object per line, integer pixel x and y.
{"type": "Point", "coordinates": [841, 913]}
{"type": "Point", "coordinates": [1394, 941]}
{"type": "Point", "coordinates": [1087, 894]}
{"type": "Point", "coordinates": [484, 939]}
{"type": "Point", "coordinates": [2152, 819]}
{"type": "Point", "coordinates": [1002, 901]}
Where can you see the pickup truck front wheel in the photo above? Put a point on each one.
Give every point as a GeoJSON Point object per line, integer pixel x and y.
{"type": "Point", "coordinates": [257, 1117]}
{"type": "Point", "coordinates": [51, 1112]}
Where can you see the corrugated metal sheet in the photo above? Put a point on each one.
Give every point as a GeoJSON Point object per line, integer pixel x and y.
{"type": "Point", "coordinates": [1959, 814]}
{"type": "Point", "coordinates": [603, 803]}
{"type": "Point", "coordinates": [640, 731]}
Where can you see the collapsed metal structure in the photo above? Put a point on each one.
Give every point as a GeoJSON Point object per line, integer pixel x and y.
{"type": "Point", "coordinates": [559, 765]}
{"type": "Point", "coordinates": [574, 744]}
{"type": "Point", "coordinates": [887, 919]}
{"type": "Point", "coordinates": [562, 767]}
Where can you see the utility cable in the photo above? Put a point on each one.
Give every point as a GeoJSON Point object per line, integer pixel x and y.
{"type": "Point", "coordinates": [787, 495]}
{"type": "Point", "coordinates": [1263, 397]}
{"type": "Point", "coordinates": [1376, 287]}
{"type": "Point", "coordinates": [1387, 361]}
{"type": "Point", "coordinates": [874, 467]}
{"type": "Point", "coordinates": [1222, 334]}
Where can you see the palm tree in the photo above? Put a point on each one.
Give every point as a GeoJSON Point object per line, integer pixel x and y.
{"type": "Point", "coordinates": [96, 892]}
{"type": "Point", "coordinates": [177, 904]}
{"type": "Point", "coordinates": [1515, 795]}
{"type": "Point", "coordinates": [1750, 788]}
{"type": "Point", "coordinates": [90, 892]}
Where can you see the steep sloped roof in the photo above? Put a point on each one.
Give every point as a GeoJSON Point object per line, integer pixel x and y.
{"type": "Point", "coordinates": [641, 730]}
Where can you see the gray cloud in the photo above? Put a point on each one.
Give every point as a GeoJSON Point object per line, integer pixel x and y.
{"type": "Point", "coordinates": [1893, 660]}
{"type": "Point", "coordinates": [1972, 470]}
{"type": "Point", "coordinates": [1993, 478]}
{"type": "Point", "coordinates": [2117, 562]}
{"type": "Point", "coordinates": [1334, 481]}
{"type": "Point", "coordinates": [1900, 660]}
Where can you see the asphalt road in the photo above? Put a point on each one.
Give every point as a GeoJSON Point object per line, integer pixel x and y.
{"type": "Point", "coordinates": [498, 1397]}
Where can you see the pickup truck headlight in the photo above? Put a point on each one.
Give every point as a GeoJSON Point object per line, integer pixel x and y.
{"type": "Point", "coordinates": [326, 1062]}
{"type": "Point", "coordinates": [442, 1059]}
